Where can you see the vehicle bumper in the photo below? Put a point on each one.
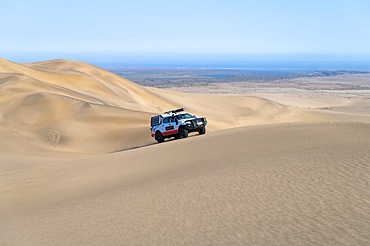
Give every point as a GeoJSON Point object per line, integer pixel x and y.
{"type": "Point", "coordinates": [196, 124]}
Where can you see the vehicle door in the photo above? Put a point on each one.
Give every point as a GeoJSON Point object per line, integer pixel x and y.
{"type": "Point", "coordinates": [169, 126]}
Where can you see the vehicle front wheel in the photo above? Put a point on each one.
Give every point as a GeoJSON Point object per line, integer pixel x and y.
{"type": "Point", "coordinates": [159, 137]}
{"type": "Point", "coordinates": [202, 130]}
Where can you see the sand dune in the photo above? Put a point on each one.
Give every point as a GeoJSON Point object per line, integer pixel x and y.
{"type": "Point", "coordinates": [70, 106]}
{"type": "Point", "coordinates": [298, 183]}
{"type": "Point", "coordinates": [265, 173]}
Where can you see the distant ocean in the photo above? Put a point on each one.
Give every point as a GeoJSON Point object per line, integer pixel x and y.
{"type": "Point", "coordinates": [263, 66]}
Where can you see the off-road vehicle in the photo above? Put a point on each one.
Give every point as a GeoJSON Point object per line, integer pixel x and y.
{"type": "Point", "coordinates": [176, 123]}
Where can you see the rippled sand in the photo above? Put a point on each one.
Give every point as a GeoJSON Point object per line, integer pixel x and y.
{"type": "Point", "coordinates": [268, 174]}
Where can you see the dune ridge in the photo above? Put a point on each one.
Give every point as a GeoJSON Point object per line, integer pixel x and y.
{"type": "Point", "coordinates": [76, 107]}
{"type": "Point", "coordinates": [264, 174]}
{"type": "Point", "coordinates": [70, 106]}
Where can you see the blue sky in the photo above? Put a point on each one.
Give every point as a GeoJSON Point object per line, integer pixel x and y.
{"type": "Point", "coordinates": [123, 31]}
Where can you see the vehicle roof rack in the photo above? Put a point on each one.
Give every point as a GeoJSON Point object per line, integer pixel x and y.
{"type": "Point", "coordinates": [175, 111]}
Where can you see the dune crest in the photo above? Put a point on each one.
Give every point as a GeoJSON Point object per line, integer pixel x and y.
{"type": "Point", "coordinates": [76, 107]}
{"type": "Point", "coordinates": [71, 106]}
{"type": "Point", "coordinates": [304, 181]}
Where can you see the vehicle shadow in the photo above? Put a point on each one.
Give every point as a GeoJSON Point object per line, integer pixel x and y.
{"type": "Point", "coordinates": [168, 140]}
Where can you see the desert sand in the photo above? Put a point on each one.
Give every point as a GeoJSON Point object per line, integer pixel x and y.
{"type": "Point", "coordinates": [78, 165]}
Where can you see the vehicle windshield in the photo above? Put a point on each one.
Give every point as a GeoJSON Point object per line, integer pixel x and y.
{"type": "Point", "coordinates": [184, 116]}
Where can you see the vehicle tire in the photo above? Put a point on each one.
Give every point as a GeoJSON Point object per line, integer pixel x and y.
{"type": "Point", "coordinates": [159, 137]}
{"type": "Point", "coordinates": [202, 130]}
{"type": "Point", "coordinates": [184, 132]}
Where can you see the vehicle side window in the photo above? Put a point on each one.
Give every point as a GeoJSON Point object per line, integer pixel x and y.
{"type": "Point", "coordinates": [166, 120]}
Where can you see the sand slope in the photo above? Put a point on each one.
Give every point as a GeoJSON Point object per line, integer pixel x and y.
{"type": "Point", "coordinates": [71, 106]}
{"type": "Point", "coordinates": [265, 173]}
{"type": "Point", "coordinates": [293, 184]}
